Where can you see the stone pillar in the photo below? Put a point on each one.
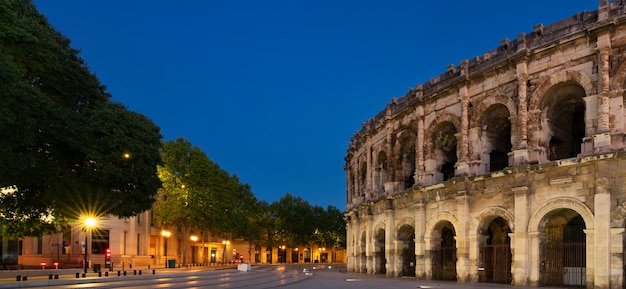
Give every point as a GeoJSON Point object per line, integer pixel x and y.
{"type": "Point", "coordinates": [419, 147]}
{"type": "Point", "coordinates": [475, 267]}
{"type": "Point", "coordinates": [617, 258]}
{"type": "Point", "coordinates": [519, 239]}
{"type": "Point", "coordinates": [420, 245]}
{"type": "Point", "coordinates": [462, 263]}
{"type": "Point", "coordinates": [462, 165]}
{"type": "Point", "coordinates": [535, 263]}
{"type": "Point", "coordinates": [390, 241]}
{"type": "Point", "coordinates": [603, 83]}
{"type": "Point", "coordinates": [522, 109]}
{"type": "Point", "coordinates": [591, 253]}
{"type": "Point", "coordinates": [369, 245]}
{"type": "Point", "coordinates": [351, 246]}
{"type": "Point", "coordinates": [370, 169]}
{"type": "Point", "coordinates": [602, 235]}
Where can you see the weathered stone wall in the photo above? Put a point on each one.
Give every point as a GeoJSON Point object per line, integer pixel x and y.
{"type": "Point", "coordinates": [514, 147]}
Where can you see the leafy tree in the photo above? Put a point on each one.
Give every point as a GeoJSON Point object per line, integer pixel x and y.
{"type": "Point", "coordinates": [198, 194]}
{"type": "Point", "coordinates": [66, 149]}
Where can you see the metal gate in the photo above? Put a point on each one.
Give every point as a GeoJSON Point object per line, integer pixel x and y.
{"type": "Point", "coordinates": [408, 261]}
{"type": "Point", "coordinates": [496, 264]}
{"type": "Point", "coordinates": [444, 263]}
{"type": "Point", "coordinates": [563, 264]}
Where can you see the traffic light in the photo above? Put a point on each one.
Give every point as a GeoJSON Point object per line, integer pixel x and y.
{"type": "Point", "coordinates": [107, 258]}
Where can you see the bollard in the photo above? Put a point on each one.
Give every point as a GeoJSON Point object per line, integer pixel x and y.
{"type": "Point", "coordinates": [50, 277]}
{"type": "Point", "coordinates": [124, 273]}
{"type": "Point", "coordinates": [152, 271]}
{"type": "Point", "coordinates": [106, 274]}
{"type": "Point", "coordinates": [24, 278]}
{"type": "Point", "coordinates": [18, 278]}
{"type": "Point", "coordinates": [56, 276]}
{"type": "Point", "coordinates": [118, 273]}
{"type": "Point", "coordinates": [84, 275]}
{"type": "Point", "coordinates": [77, 275]}
{"type": "Point", "coordinates": [148, 266]}
{"type": "Point", "coordinates": [99, 274]}
{"type": "Point", "coordinates": [134, 272]}
{"type": "Point", "coordinates": [139, 272]}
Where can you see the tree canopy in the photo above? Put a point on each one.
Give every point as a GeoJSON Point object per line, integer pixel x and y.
{"type": "Point", "coordinates": [66, 149]}
{"type": "Point", "coordinates": [198, 194]}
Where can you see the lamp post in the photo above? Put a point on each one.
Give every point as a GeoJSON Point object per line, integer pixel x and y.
{"type": "Point", "coordinates": [166, 234]}
{"type": "Point", "coordinates": [226, 243]}
{"type": "Point", "coordinates": [89, 223]}
{"type": "Point", "coordinates": [193, 239]}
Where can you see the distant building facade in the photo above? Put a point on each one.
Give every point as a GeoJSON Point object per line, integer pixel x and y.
{"type": "Point", "coordinates": [140, 242]}
{"type": "Point", "coordinates": [508, 168]}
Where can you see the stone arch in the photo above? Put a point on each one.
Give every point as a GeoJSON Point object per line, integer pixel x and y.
{"type": "Point", "coordinates": [534, 225]}
{"type": "Point", "coordinates": [557, 115]}
{"type": "Point", "coordinates": [494, 131]}
{"type": "Point", "coordinates": [439, 217]}
{"type": "Point", "coordinates": [483, 105]}
{"type": "Point", "coordinates": [442, 146]}
{"type": "Point", "coordinates": [403, 222]}
{"type": "Point", "coordinates": [487, 215]}
{"type": "Point", "coordinates": [563, 76]}
{"type": "Point", "coordinates": [405, 158]}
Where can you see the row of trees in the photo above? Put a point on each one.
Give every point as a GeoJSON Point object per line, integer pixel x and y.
{"type": "Point", "coordinates": [198, 195]}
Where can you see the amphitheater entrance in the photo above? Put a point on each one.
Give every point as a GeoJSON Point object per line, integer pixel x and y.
{"type": "Point", "coordinates": [563, 252]}
{"type": "Point", "coordinates": [495, 254]}
{"type": "Point", "coordinates": [379, 252]}
{"type": "Point", "coordinates": [406, 247]}
{"type": "Point", "coordinates": [444, 255]}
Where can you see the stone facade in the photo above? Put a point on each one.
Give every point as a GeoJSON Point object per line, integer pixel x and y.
{"type": "Point", "coordinates": [508, 168]}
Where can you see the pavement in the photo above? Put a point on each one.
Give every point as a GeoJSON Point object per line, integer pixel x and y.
{"type": "Point", "coordinates": [45, 277]}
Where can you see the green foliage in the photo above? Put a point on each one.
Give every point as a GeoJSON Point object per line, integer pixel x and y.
{"type": "Point", "coordinates": [198, 194]}
{"type": "Point", "coordinates": [63, 141]}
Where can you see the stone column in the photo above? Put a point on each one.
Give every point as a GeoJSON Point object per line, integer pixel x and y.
{"type": "Point", "coordinates": [370, 169]}
{"type": "Point", "coordinates": [603, 87]}
{"type": "Point", "coordinates": [535, 263]}
{"type": "Point", "coordinates": [390, 241]}
{"type": "Point", "coordinates": [520, 265]}
{"type": "Point", "coordinates": [351, 246]}
{"type": "Point", "coordinates": [617, 258]}
{"type": "Point", "coordinates": [369, 245]}
{"type": "Point", "coordinates": [602, 235]}
{"type": "Point", "coordinates": [419, 147]}
{"type": "Point", "coordinates": [420, 245]}
{"type": "Point", "coordinates": [462, 263]}
{"type": "Point", "coordinates": [462, 165]}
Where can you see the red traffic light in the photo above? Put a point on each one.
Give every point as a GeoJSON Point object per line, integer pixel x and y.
{"type": "Point", "coordinates": [108, 252]}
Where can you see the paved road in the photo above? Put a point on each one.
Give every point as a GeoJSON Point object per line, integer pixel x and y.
{"type": "Point", "coordinates": [289, 276]}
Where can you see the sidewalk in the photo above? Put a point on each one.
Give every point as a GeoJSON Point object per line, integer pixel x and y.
{"type": "Point", "coordinates": [42, 278]}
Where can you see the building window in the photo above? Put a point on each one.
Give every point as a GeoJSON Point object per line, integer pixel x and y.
{"type": "Point", "coordinates": [40, 245]}
{"type": "Point", "coordinates": [99, 241]}
{"type": "Point", "coordinates": [138, 244]}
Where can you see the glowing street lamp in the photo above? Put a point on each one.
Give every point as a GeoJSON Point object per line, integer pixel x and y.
{"type": "Point", "coordinates": [226, 243]}
{"type": "Point", "coordinates": [166, 234]}
{"type": "Point", "coordinates": [193, 239]}
{"type": "Point", "coordinates": [90, 222]}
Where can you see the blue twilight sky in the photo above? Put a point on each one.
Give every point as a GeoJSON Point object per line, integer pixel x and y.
{"type": "Point", "coordinates": [273, 90]}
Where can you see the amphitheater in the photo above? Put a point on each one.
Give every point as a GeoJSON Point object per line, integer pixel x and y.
{"type": "Point", "coordinates": [507, 168]}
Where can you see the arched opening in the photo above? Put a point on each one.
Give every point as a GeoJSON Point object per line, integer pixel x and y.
{"type": "Point", "coordinates": [443, 256]}
{"type": "Point", "coordinates": [406, 246]}
{"type": "Point", "coordinates": [496, 128]}
{"type": "Point", "coordinates": [563, 253]}
{"type": "Point", "coordinates": [381, 171]}
{"type": "Point", "coordinates": [566, 114]}
{"type": "Point", "coordinates": [445, 150]}
{"type": "Point", "coordinates": [406, 161]}
{"type": "Point", "coordinates": [362, 255]}
{"type": "Point", "coordinates": [363, 178]}
{"type": "Point", "coordinates": [380, 260]}
{"type": "Point", "coordinates": [495, 253]}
